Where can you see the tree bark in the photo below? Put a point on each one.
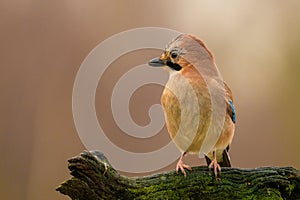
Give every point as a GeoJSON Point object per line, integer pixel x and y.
{"type": "Point", "coordinates": [94, 178]}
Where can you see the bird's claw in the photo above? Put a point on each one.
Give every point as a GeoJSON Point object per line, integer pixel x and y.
{"type": "Point", "coordinates": [182, 166]}
{"type": "Point", "coordinates": [214, 164]}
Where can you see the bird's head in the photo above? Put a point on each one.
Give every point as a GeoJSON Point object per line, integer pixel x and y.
{"type": "Point", "coordinates": [184, 52]}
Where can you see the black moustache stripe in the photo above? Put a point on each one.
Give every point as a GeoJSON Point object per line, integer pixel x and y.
{"type": "Point", "coordinates": [174, 66]}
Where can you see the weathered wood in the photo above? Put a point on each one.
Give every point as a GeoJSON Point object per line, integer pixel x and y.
{"type": "Point", "coordinates": [94, 178]}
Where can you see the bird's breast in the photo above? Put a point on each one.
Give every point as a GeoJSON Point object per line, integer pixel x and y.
{"type": "Point", "coordinates": [186, 109]}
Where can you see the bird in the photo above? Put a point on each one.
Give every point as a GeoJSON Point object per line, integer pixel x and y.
{"type": "Point", "coordinates": [195, 95]}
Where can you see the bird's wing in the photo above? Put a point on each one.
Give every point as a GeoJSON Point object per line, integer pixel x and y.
{"type": "Point", "coordinates": [225, 161]}
{"type": "Point", "coordinates": [230, 107]}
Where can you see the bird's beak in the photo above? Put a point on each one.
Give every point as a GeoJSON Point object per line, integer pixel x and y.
{"type": "Point", "coordinates": [157, 62]}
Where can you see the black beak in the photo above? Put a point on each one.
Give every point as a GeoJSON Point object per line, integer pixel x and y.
{"type": "Point", "coordinates": [156, 62]}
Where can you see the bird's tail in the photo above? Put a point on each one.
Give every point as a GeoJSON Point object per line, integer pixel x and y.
{"type": "Point", "coordinates": [225, 159]}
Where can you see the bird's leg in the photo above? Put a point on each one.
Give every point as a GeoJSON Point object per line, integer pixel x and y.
{"type": "Point", "coordinates": [214, 164]}
{"type": "Point", "coordinates": [182, 166]}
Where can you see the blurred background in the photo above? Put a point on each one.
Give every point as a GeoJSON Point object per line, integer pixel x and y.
{"type": "Point", "coordinates": [43, 43]}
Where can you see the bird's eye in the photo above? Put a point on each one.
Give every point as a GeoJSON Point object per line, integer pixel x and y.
{"type": "Point", "coordinates": [174, 55]}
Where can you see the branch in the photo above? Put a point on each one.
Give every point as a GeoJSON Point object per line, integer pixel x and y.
{"type": "Point", "coordinates": [94, 178]}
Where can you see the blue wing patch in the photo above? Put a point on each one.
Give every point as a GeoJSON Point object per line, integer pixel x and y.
{"type": "Point", "coordinates": [233, 114]}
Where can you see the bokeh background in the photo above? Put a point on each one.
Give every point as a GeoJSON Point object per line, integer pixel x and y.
{"type": "Point", "coordinates": [42, 44]}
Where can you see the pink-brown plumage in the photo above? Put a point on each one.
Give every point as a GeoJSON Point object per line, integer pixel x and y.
{"type": "Point", "coordinates": [188, 60]}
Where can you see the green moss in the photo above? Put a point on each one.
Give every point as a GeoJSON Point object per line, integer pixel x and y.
{"type": "Point", "coordinates": [290, 188]}
{"type": "Point", "coordinates": [91, 183]}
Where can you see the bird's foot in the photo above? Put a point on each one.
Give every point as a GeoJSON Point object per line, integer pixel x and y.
{"type": "Point", "coordinates": [180, 165]}
{"type": "Point", "coordinates": [214, 164]}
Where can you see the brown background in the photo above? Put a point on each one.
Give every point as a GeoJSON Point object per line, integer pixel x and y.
{"type": "Point", "coordinates": [42, 44]}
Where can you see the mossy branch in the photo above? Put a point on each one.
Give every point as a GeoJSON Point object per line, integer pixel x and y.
{"type": "Point", "coordinates": [94, 178]}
